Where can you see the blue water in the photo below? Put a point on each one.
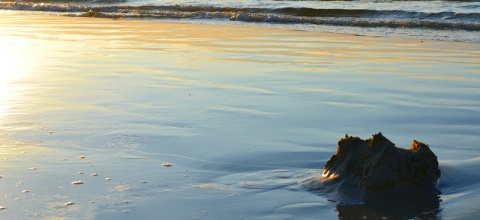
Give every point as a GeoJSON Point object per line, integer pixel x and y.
{"type": "Point", "coordinates": [437, 20]}
{"type": "Point", "coordinates": [243, 117]}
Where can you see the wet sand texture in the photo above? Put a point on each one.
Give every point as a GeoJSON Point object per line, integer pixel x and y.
{"type": "Point", "coordinates": [245, 112]}
{"type": "Point", "coordinates": [376, 170]}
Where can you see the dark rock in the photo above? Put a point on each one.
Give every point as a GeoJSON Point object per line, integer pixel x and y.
{"type": "Point", "coordinates": [375, 169]}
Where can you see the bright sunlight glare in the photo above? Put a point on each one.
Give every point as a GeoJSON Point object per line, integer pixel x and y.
{"type": "Point", "coordinates": [15, 59]}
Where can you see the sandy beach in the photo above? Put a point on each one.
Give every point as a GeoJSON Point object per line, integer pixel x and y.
{"type": "Point", "coordinates": [242, 114]}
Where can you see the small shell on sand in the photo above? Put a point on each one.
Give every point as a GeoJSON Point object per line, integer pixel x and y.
{"type": "Point", "coordinates": [33, 168]}
{"type": "Point", "coordinates": [82, 157]}
{"type": "Point", "coordinates": [77, 182]}
{"type": "Point", "coordinates": [26, 191]}
{"type": "Point", "coordinates": [70, 203]}
{"type": "Point", "coordinates": [81, 173]}
{"type": "Point", "coordinates": [108, 179]}
{"type": "Point", "coordinates": [94, 174]}
{"type": "Point", "coordinates": [166, 164]}
{"type": "Point", "coordinates": [2, 208]}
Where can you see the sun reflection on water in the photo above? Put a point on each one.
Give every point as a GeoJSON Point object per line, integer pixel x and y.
{"type": "Point", "coordinates": [16, 63]}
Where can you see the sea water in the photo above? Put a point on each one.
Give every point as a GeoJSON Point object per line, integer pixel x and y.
{"type": "Point", "coordinates": [243, 118]}
{"type": "Point", "coordinates": [450, 20]}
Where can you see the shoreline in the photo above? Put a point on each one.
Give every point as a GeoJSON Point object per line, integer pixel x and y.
{"type": "Point", "coordinates": [396, 20]}
{"type": "Point", "coordinates": [280, 27]}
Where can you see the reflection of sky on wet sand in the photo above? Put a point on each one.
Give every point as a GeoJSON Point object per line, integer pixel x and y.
{"type": "Point", "coordinates": [131, 97]}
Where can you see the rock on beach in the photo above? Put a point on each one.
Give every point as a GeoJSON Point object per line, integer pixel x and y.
{"type": "Point", "coordinates": [375, 169]}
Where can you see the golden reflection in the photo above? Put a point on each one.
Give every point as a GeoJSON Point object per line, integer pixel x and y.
{"type": "Point", "coordinates": [12, 150]}
{"type": "Point", "coordinates": [14, 58]}
{"type": "Point", "coordinates": [328, 175]}
{"type": "Point", "coordinates": [15, 62]}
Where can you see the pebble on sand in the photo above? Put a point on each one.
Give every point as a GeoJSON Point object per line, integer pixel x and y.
{"type": "Point", "coordinates": [82, 157]}
{"type": "Point", "coordinates": [77, 182]}
{"type": "Point", "coordinates": [2, 208]}
{"type": "Point", "coordinates": [94, 174]}
{"type": "Point", "coordinates": [70, 203]}
{"type": "Point", "coordinates": [108, 179]}
{"type": "Point", "coordinates": [26, 191]}
{"type": "Point", "coordinates": [166, 164]}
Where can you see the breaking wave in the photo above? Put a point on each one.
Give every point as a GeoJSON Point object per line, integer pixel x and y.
{"type": "Point", "coordinates": [287, 15]}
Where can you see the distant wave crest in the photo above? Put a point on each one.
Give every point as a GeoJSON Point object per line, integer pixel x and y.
{"type": "Point", "coordinates": [289, 15]}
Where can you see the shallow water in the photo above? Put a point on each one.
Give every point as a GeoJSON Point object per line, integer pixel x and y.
{"type": "Point", "coordinates": [244, 116]}
{"type": "Point", "coordinates": [450, 20]}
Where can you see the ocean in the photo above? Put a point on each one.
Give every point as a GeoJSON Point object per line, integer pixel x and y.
{"type": "Point", "coordinates": [451, 20]}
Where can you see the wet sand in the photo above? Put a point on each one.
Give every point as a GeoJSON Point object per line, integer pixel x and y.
{"type": "Point", "coordinates": [170, 115]}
